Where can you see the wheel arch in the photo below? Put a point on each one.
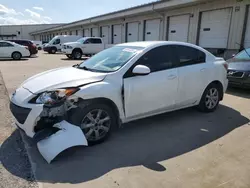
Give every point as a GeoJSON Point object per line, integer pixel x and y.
{"type": "Point", "coordinates": [77, 49]}
{"type": "Point", "coordinates": [220, 87]}
{"type": "Point", "coordinates": [106, 101]}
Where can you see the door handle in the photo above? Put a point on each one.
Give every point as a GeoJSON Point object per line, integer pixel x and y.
{"type": "Point", "coordinates": [172, 76]}
{"type": "Point", "coordinates": [202, 70]}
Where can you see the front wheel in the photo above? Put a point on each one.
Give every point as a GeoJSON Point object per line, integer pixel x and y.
{"type": "Point", "coordinates": [210, 99]}
{"type": "Point", "coordinates": [96, 121]}
{"type": "Point", "coordinates": [53, 50]}
{"type": "Point", "coordinates": [77, 54]}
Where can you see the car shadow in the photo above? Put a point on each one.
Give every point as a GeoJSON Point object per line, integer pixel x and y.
{"type": "Point", "coordinates": [67, 59]}
{"type": "Point", "coordinates": [144, 142]}
{"type": "Point", "coordinates": [23, 59]}
{"type": "Point", "coordinates": [244, 93]}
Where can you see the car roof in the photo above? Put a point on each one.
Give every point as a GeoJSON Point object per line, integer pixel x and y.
{"type": "Point", "coordinates": [147, 44]}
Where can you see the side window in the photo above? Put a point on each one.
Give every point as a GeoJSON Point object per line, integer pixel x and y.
{"type": "Point", "coordinates": [57, 41]}
{"type": "Point", "coordinates": [5, 44]}
{"type": "Point", "coordinates": [96, 41]}
{"type": "Point", "coordinates": [189, 56]}
{"type": "Point", "coordinates": [88, 41]}
{"type": "Point", "coordinates": [159, 58]}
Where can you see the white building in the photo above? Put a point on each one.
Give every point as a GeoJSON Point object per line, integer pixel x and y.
{"type": "Point", "coordinates": [22, 31]}
{"type": "Point", "coordinates": [219, 25]}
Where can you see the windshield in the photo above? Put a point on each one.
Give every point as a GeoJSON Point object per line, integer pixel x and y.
{"type": "Point", "coordinates": [52, 40]}
{"type": "Point", "coordinates": [81, 40]}
{"type": "Point", "coordinates": [111, 59]}
{"type": "Point", "coordinates": [245, 54]}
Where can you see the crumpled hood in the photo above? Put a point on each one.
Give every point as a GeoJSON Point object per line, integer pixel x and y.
{"type": "Point", "coordinates": [72, 43]}
{"type": "Point", "coordinates": [61, 78]}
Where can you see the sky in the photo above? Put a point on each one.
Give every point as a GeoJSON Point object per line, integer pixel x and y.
{"type": "Point", "coordinates": [15, 12]}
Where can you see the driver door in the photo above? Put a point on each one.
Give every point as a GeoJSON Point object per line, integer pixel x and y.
{"type": "Point", "coordinates": [155, 92]}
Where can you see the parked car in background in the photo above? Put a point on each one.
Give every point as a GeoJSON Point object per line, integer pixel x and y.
{"type": "Point", "coordinates": [239, 69]}
{"type": "Point", "coordinates": [84, 46]}
{"type": "Point", "coordinates": [120, 84]}
{"type": "Point", "coordinates": [32, 47]}
{"type": "Point", "coordinates": [39, 44]}
{"type": "Point", "coordinates": [55, 45]}
{"type": "Point", "coordinates": [13, 50]}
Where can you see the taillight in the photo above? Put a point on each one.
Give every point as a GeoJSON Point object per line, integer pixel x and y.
{"type": "Point", "coordinates": [33, 45]}
{"type": "Point", "coordinates": [225, 66]}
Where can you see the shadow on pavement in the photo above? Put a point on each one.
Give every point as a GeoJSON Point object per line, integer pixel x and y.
{"type": "Point", "coordinates": [245, 93]}
{"type": "Point", "coordinates": [144, 142]}
{"type": "Point", "coordinates": [23, 59]}
{"type": "Point", "coordinates": [68, 59]}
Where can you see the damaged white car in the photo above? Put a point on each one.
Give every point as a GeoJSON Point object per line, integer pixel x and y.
{"type": "Point", "coordinates": [120, 84]}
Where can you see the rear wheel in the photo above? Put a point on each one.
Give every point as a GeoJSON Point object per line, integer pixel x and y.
{"type": "Point", "coordinates": [96, 121]}
{"type": "Point", "coordinates": [210, 98]}
{"type": "Point", "coordinates": [53, 50]}
{"type": "Point", "coordinates": [16, 55]}
{"type": "Point", "coordinates": [77, 54]}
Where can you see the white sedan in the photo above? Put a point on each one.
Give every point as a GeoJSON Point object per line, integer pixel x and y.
{"type": "Point", "coordinates": [120, 84]}
{"type": "Point", "coordinates": [13, 50]}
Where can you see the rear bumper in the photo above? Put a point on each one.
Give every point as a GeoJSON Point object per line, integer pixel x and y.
{"type": "Point", "coordinates": [33, 51]}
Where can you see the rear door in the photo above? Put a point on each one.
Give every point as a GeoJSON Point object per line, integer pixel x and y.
{"type": "Point", "coordinates": [6, 49]}
{"type": "Point", "coordinates": [92, 46]}
{"type": "Point", "coordinates": [156, 91]}
{"type": "Point", "coordinates": [193, 74]}
{"type": "Point", "coordinates": [179, 28]}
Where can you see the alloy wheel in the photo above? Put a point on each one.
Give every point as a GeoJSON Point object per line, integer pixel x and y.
{"type": "Point", "coordinates": [96, 124]}
{"type": "Point", "coordinates": [212, 98]}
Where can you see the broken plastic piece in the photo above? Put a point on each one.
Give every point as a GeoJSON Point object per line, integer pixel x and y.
{"type": "Point", "coordinates": [68, 136]}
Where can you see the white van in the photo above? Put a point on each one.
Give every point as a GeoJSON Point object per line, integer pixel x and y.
{"type": "Point", "coordinates": [56, 43]}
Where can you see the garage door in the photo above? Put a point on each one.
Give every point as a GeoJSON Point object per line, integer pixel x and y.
{"type": "Point", "coordinates": [179, 28]}
{"type": "Point", "coordinates": [105, 34]}
{"type": "Point", "coordinates": [86, 33]}
{"type": "Point", "coordinates": [152, 30]}
{"type": "Point", "coordinates": [247, 35]}
{"type": "Point", "coordinates": [94, 32]}
{"type": "Point", "coordinates": [117, 34]}
{"type": "Point", "coordinates": [132, 32]}
{"type": "Point", "coordinates": [214, 30]}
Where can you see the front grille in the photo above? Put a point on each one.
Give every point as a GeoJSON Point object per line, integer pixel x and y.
{"type": "Point", "coordinates": [235, 74]}
{"type": "Point", "coordinates": [19, 113]}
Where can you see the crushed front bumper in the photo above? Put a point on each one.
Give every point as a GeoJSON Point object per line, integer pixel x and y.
{"type": "Point", "coordinates": [35, 119]}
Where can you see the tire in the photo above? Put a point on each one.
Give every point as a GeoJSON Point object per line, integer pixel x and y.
{"type": "Point", "coordinates": [210, 99]}
{"type": "Point", "coordinates": [77, 54]}
{"type": "Point", "coordinates": [16, 55]}
{"type": "Point", "coordinates": [53, 50]}
{"type": "Point", "coordinates": [69, 56]}
{"type": "Point", "coordinates": [81, 117]}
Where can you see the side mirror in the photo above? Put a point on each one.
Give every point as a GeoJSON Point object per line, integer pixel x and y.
{"type": "Point", "coordinates": [141, 70]}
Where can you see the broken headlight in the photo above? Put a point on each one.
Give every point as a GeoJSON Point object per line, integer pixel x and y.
{"type": "Point", "coordinates": [54, 97]}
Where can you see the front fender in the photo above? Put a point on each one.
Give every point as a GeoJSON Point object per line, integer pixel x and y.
{"type": "Point", "coordinates": [106, 90]}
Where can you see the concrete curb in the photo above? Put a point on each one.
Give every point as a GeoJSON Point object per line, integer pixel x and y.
{"type": "Point", "coordinates": [33, 164]}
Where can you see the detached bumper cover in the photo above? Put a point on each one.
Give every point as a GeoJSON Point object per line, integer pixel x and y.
{"type": "Point", "coordinates": [67, 136]}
